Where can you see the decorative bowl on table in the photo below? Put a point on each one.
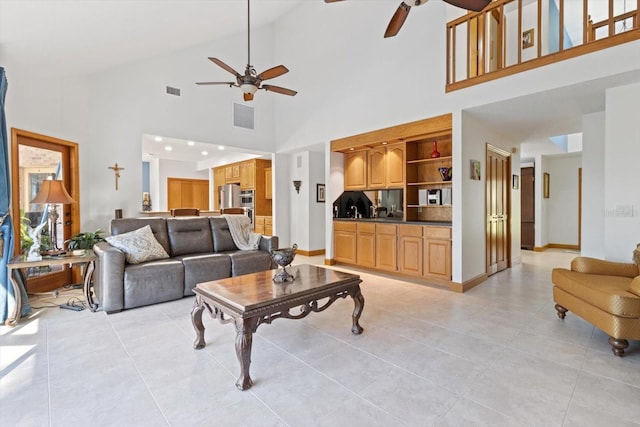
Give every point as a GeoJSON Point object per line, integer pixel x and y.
{"type": "Point", "coordinates": [283, 257]}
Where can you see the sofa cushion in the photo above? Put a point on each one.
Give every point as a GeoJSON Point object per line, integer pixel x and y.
{"type": "Point", "coordinates": [246, 262]}
{"type": "Point", "coordinates": [222, 240]}
{"type": "Point", "coordinates": [609, 293]}
{"type": "Point", "coordinates": [200, 268]}
{"type": "Point", "coordinates": [153, 282]}
{"type": "Point", "coordinates": [158, 226]}
{"type": "Point", "coordinates": [138, 245]}
{"type": "Point", "coordinates": [634, 287]}
{"type": "Point", "coordinates": [189, 236]}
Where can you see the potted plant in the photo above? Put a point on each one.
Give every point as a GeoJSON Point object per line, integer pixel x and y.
{"type": "Point", "coordinates": [85, 240]}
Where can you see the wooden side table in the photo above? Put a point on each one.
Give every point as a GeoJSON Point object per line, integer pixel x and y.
{"type": "Point", "coordinates": [20, 262]}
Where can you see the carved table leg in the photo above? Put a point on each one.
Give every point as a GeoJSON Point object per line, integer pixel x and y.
{"type": "Point", "coordinates": [244, 339]}
{"type": "Point", "coordinates": [196, 320]}
{"type": "Point", "coordinates": [16, 312]}
{"type": "Point", "coordinates": [618, 346]}
{"type": "Point", "coordinates": [561, 311]}
{"type": "Point", "coordinates": [88, 274]}
{"type": "Point", "coordinates": [358, 301]}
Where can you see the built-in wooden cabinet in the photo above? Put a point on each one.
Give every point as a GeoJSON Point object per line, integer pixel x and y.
{"type": "Point", "coordinates": [218, 181]}
{"type": "Point", "coordinates": [263, 225]}
{"type": "Point", "coordinates": [424, 175]}
{"type": "Point", "coordinates": [232, 173]}
{"type": "Point", "coordinates": [386, 247]}
{"type": "Point", "coordinates": [410, 247]}
{"type": "Point", "coordinates": [366, 244]}
{"type": "Point", "coordinates": [345, 242]}
{"type": "Point", "coordinates": [187, 193]}
{"type": "Point", "coordinates": [396, 165]}
{"type": "Point", "coordinates": [377, 167]}
{"type": "Point", "coordinates": [437, 252]}
{"type": "Point", "coordinates": [355, 170]}
{"type": "Point", "coordinates": [247, 175]}
{"type": "Point", "coordinates": [268, 183]}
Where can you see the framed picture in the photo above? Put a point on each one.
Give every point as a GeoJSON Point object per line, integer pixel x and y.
{"type": "Point", "coordinates": [515, 182]}
{"type": "Point", "coordinates": [475, 170]}
{"type": "Point", "coordinates": [527, 38]}
{"type": "Point", "coordinates": [320, 197]}
{"type": "Point", "coordinates": [545, 185]}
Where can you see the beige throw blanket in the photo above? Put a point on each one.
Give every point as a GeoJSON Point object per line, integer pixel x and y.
{"type": "Point", "coordinates": [240, 228]}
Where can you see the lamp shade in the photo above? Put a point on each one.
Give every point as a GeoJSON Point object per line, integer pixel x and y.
{"type": "Point", "coordinates": [53, 191]}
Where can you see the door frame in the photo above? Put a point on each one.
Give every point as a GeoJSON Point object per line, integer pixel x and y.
{"type": "Point", "coordinates": [72, 182]}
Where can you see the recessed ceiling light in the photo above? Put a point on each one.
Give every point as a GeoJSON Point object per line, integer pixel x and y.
{"type": "Point", "coordinates": [351, 149]}
{"type": "Point", "coordinates": [191, 143]}
{"type": "Point", "coordinates": [384, 143]}
{"type": "Point", "coordinates": [158, 138]}
{"type": "Point", "coordinates": [220, 147]}
{"type": "Point", "coordinates": [168, 148]}
{"type": "Point", "coordinates": [204, 153]}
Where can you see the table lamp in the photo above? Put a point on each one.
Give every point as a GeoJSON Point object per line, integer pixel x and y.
{"type": "Point", "coordinates": [53, 193]}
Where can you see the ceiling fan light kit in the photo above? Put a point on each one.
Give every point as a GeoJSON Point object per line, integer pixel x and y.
{"type": "Point", "coordinates": [250, 82]}
{"type": "Point", "coordinates": [398, 18]}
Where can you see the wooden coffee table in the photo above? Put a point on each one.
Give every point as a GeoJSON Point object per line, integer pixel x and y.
{"type": "Point", "coordinates": [254, 299]}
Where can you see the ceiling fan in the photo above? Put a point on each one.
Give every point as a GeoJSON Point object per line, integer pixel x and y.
{"type": "Point", "coordinates": [251, 81]}
{"type": "Point", "coordinates": [402, 12]}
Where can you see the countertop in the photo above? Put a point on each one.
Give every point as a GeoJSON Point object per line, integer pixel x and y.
{"type": "Point", "coordinates": [395, 221]}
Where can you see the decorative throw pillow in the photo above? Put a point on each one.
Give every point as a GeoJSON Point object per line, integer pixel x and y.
{"type": "Point", "coordinates": [139, 245]}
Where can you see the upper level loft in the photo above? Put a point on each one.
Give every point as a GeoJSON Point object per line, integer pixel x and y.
{"type": "Point", "coordinates": [511, 36]}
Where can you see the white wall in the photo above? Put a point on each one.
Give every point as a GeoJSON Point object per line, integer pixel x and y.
{"type": "Point", "coordinates": [593, 180]}
{"type": "Point", "coordinates": [622, 151]}
{"type": "Point", "coordinates": [563, 209]}
{"type": "Point", "coordinates": [316, 210]}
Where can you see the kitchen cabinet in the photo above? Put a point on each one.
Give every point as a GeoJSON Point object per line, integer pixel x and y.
{"type": "Point", "coordinates": [376, 167]}
{"type": "Point", "coordinates": [232, 173]}
{"type": "Point", "coordinates": [268, 226]}
{"type": "Point", "coordinates": [410, 246]}
{"type": "Point", "coordinates": [187, 193]}
{"type": "Point", "coordinates": [263, 225]}
{"type": "Point", "coordinates": [395, 165]}
{"type": "Point", "coordinates": [345, 242]}
{"type": "Point", "coordinates": [218, 181]}
{"type": "Point", "coordinates": [366, 244]}
{"type": "Point", "coordinates": [355, 170]}
{"type": "Point", "coordinates": [247, 175]}
{"type": "Point", "coordinates": [437, 252]}
{"type": "Point", "coordinates": [268, 186]}
{"type": "Point", "coordinates": [386, 247]}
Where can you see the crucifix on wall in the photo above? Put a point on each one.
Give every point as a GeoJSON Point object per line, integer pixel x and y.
{"type": "Point", "coordinates": [116, 170]}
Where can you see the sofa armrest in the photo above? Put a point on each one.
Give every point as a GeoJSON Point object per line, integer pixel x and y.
{"type": "Point", "coordinates": [602, 267]}
{"type": "Point", "coordinates": [268, 243]}
{"type": "Point", "coordinates": [109, 277]}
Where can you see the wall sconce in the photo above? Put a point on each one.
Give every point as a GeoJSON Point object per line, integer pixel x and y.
{"type": "Point", "coordinates": [297, 185]}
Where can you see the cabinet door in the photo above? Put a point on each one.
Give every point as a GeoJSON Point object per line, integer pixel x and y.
{"type": "Point", "coordinates": [410, 257]}
{"type": "Point", "coordinates": [376, 172]}
{"type": "Point", "coordinates": [258, 224]}
{"type": "Point", "coordinates": [437, 258]}
{"type": "Point", "coordinates": [386, 249]}
{"type": "Point", "coordinates": [268, 226]}
{"type": "Point", "coordinates": [218, 181]}
{"type": "Point", "coordinates": [268, 192]}
{"type": "Point", "coordinates": [247, 175]}
{"type": "Point", "coordinates": [344, 244]}
{"type": "Point", "coordinates": [201, 195]}
{"type": "Point", "coordinates": [395, 165]}
{"type": "Point", "coordinates": [235, 172]}
{"type": "Point", "coordinates": [355, 170]}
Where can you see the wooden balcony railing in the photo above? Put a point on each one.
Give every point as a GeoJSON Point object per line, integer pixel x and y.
{"type": "Point", "coordinates": [511, 36]}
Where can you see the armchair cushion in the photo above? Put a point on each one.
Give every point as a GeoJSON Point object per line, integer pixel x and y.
{"type": "Point", "coordinates": [602, 267]}
{"type": "Point", "coordinates": [138, 245]}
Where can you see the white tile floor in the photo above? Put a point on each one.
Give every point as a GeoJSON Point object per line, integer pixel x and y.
{"type": "Point", "coordinates": [494, 356]}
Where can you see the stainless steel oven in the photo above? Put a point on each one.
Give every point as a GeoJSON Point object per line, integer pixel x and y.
{"type": "Point", "coordinates": [246, 199]}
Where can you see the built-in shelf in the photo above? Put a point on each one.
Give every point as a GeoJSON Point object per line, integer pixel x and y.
{"type": "Point", "coordinates": [429, 183]}
{"type": "Point", "coordinates": [429, 206]}
{"type": "Point", "coordinates": [435, 159]}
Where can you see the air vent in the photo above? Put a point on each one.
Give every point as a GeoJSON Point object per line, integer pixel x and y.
{"type": "Point", "coordinates": [173, 91]}
{"type": "Point", "coordinates": [243, 116]}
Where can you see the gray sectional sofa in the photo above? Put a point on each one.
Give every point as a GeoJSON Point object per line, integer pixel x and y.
{"type": "Point", "coordinates": [200, 249]}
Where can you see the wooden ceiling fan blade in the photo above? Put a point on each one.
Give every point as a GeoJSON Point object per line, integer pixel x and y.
{"type": "Point", "coordinates": [279, 89]}
{"type": "Point", "coordinates": [397, 20]}
{"type": "Point", "coordinates": [224, 66]}
{"type": "Point", "coordinates": [217, 83]}
{"type": "Point", "coordinates": [247, 96]}
{"type": "Point", "coordinates": [473, 5]}
{"type": "Point", "coordinates": [273, 72]}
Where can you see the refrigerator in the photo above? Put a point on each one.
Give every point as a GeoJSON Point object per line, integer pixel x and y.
{"type": "Point", "coordinates": [229, 195]}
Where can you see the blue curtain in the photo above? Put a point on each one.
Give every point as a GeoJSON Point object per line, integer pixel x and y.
{"type": "Point", "coordinates": [6, 229]}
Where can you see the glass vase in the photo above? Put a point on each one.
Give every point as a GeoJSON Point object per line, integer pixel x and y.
{"type": "Point", "coordinates": [435, 153]}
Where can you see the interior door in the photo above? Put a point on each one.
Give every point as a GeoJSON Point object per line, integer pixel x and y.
{"type": "Point", "coordinates": [35, 157]}
{"type": "Point", "coordinates": [497, 208]}
{"type": "Point", "coordinates": [527, 208]}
